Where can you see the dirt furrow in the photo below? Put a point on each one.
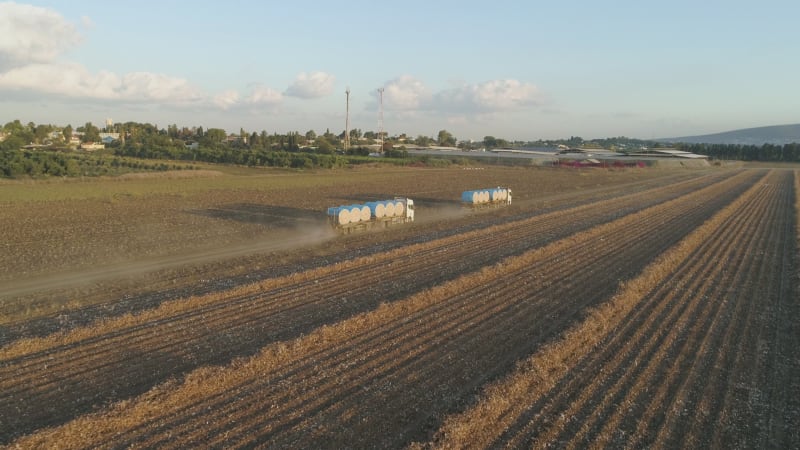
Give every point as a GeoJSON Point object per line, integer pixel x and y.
{"type": "Point", "coordinates": [675, 370]}
{"type": "Point", "coordinates": [120, 298]}
{"type": "Point", "coordinates": [355, 267]}
{"type": "Point", "coordinates": [699, 391]}
{"type": "Point", "coordinates": [332, 284]}
{"type": "Point", "coordinates": [675, 361]}
{"type": "Point", "coordinates": [606, 400]}
{"type": "Point", "coordinates": [784, 384]}
{"type": "Point", "coordinates": [539, 376]}
{"type": "Point", "coordinates": [645, 250]}
{"type": "Point", "coordinates": [543, 225]}
{"type": "Point", "coordinates": [379, 357]}
{"type": "Point", "coordinates": [742, 404]}
{"type": "Point", "coordinates": [157, 356]}
{"type": "Point", "coordinates": [565, 409]}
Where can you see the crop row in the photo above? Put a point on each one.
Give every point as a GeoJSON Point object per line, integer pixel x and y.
{"type": "Point", "coordinates": [85, 365]}
{"type": "Point", "coordinates": [350, 278]}
{"type": "Point", "coordinates": [686, 355]}
{"type": "Point", "coordinates": [122, 235]}
{"type": "Point", "coordinates": [420, 355]}
{"type": "Point", "coordinates": [494, 239]}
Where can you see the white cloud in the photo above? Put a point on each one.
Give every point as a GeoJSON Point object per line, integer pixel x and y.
{"type": "Point", "coordinates": [262, 95]}
{"type": "Point", "coordinates": [31, 34]}
{"type": "Point", "coordinates": [33, 38]}
{"type": "Point", "coordinates": [404, 93]}
{"type": "Point", "coordinates": [491, 96]}
{"type": "Point", "coordinates": [259, 96]}
{"type": "Point", "coordinates": [227, 99]}
{"type": "Point", "coordinates": [311, 85]}
{"type": "Point", "coordinates": [72, 80]}
{"type": "Point", "coordinates": [157, 87]}
{"type": "Point", "coordinates": [408, 94]}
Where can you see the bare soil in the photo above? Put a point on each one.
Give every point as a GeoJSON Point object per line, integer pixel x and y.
{"type": "Point", "coordinates": [374, 340]}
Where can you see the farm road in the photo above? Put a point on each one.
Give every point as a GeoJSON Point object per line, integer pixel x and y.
{"type": "Point", "coordinates": [283, 240]}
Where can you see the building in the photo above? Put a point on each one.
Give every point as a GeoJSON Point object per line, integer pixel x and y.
{"type": "Point", "coordinates": [108, 138]}
{"type": "Point", "coordinates": [91, 146]}
{"type": "Point", "coordinates": [667, 153]}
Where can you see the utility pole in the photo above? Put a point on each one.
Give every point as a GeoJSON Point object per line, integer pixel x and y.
{"type": "Point", "coordinates": [380, 118]}
{"type": "Point", "coordinates": [347, 122]}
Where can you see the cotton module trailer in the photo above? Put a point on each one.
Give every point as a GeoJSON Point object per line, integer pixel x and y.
{"type": "Point", "coordinates": [483, 198]}
{"type": "Point", "coordinates": [380, 214]}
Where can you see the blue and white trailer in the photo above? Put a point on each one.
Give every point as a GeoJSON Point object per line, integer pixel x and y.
{"type": "Point", "coordinates": [481, 198]}
{"type": "Point", "coordinates": [379, 214]}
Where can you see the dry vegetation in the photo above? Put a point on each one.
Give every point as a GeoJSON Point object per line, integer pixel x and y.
{"type": "Point", "coordinates": [668, 361]}
{"type": "Point", "coordinates": [616, 309]}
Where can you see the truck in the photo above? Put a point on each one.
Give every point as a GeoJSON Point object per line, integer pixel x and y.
{"type": "Point", "coordinates": [347, 219]}
{"type": "Point", "coordinates": [482, 198]}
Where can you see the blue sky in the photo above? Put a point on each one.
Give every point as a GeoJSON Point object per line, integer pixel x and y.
{"type": "Point", "coordinates": [513, 69]}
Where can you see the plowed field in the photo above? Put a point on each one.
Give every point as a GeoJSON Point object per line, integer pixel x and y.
{"type": "Point", "coordinates": [656, 312]}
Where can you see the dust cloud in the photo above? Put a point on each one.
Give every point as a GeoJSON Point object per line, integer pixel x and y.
{"type": "Point", "coordinates": [305, 235]}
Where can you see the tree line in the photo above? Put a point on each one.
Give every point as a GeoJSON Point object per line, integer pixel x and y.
{"type": "Point", "coordinates": [293, 149]}
{"type": "Point", "coordinates": [50, 154]}
{"type": "Point", "coordinates": [37, 164]}
{"type": "Point", "coordinates": [766, 152]}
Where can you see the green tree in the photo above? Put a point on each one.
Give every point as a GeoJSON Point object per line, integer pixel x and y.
{"type": "Point", "coordinates": [90, 133]}
{"type": "Point", "coordinates": [446, 139]}
{"type": "Point", "coordinates": [18, 130]}
{"type": "Point", "coordinates": [14, 127]}
{"type": "Point", "coordinates": [67, 132]}
{"type": "Point", "coordinates": [12, 143]}
{"type": "Point", "coordinates": [575, 141]}
{"type": "Point", "coordinates": [324, 145]}
{"type": "Point", "coordinates": [215, 135]}
{"type": "Point", "coordinates": [396, 153]}
{"type": "Point", "coordinates": [255, 140]}
{"type": "Point", "coordinates": [172, 131]}
{"type": "Point", "coordinates": [311, 135]}
{"type": "Point", "coordinates": [293, 142]}
{"type": "Point", "coordinates": [41, 133]}
{"type": "Point", "coordinates": [423, 141]}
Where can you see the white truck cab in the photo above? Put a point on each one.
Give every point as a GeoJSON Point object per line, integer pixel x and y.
{"type": "Point", "coordinates": [409, 209]}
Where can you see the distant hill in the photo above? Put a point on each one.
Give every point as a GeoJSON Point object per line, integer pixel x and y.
{"type": "Point", "coordinates": [778, 135]}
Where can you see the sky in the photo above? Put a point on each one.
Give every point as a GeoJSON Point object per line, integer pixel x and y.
{"type": "Point", "coordinates": [518, 70]}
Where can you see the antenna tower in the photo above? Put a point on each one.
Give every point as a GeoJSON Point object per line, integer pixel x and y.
{"type": "Point", "coordinates": [347, 121]}
{"type": "Point", "coordinates": [380, 118]}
